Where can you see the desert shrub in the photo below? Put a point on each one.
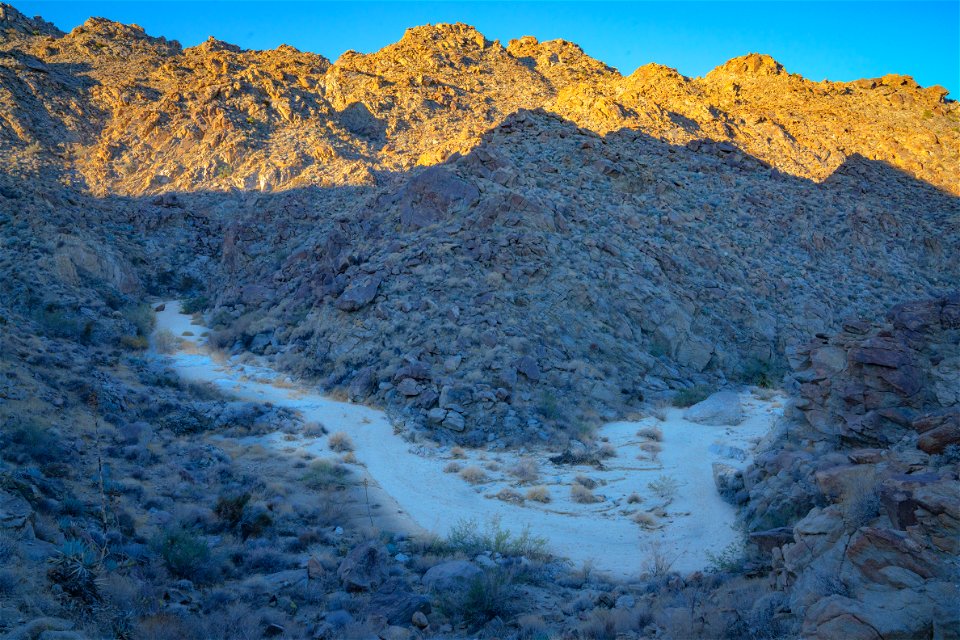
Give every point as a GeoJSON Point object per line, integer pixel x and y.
{"type": "Point", "coordinates": [526, 471]}
{"type": "Point", "coordinates": [490, 595]}
{"type": "Point", "coordinates": [549, 407]}
{"type": "Point", "coordinates": [326, 475]}
{"type": "Point", "coordinates": [731, 559]}
{"type": "Point", "coordinates": [61, 323]}
{"type": "Point", "coordinates": [194, 304]}
{"type": "Point", "coordinates": [340, 442]}
{"type": "Point", "coordinates": [538, 494]}
{"type": "Point", "coordinates": [137, 343]}
{"type": "Point", "coordinates": [651, 433]}
{"type": "Point", "coordinates": [607, 450]}
{"type": "Point", "coordinates": [691, 396]}
{"type": "Point", "coordinates": [458, 452]}
{"type": "Point", "coordinates": [74, 568]}
{"type": "Point", "coordinates": [860, 500]}
{"type": "Point", "coordinates": [165, 342]}
{"type": "Point", "coordinates": [509, 495]}
{"type": "Point", "coordinates": [609, 624]}
{"type": "Point", "coordinates": [657, 561]}
{"type": "Point", "coordinates": [33, 440]}
{"type": "Point", "coordinates": [473, 475]}
{"type": "Point", "coordinates": [581, 494]}
{"type": "Point", "coordinates": [468, 538]}
{"type": "Point", "coordinates": [664, 486]}
{"type": "Point", "coordinates": [645, 520]}
{"type": "Point", "coordinates": [236, 515]}
{"type": "Point", "coordinates": [141, 316]}
{"type": "Point", "coordinates": [186, 555]}
{"type": "Point", "coordinates": [634, 498]}
{"type": "Point", "coordinates": [452, 467]}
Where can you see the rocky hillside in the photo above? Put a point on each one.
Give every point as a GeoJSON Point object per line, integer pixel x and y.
{"type": "Point", "coordinates": [495, 241]}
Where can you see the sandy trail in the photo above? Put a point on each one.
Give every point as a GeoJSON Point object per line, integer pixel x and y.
{"type": "Point", "coordinates": [688, 526]}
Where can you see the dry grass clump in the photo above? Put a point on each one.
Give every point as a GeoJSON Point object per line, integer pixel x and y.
{"type": "Point", "coordinates": [509, 495]}
{"type": "Point", "coordinates": [651, 447]}
{"type": "Point", "coordinates": [473, 475]}
{"type": "Point", "coordinates": [340, 442]}
{"type": "Point", "coordinates": [458, 452]}
{"type": "Point", "coordinates": [651, 433]}
{"type": "Point", "coordinates": [645, 520]}
{"type": "Point", "coordinates": [664, 486]}
{"type": "Point", "coordinates": [165, 342]}
{"type": "Point", "coordinates": [634, 498]}
{"type": "Point", "coordinates": [453, 467]}
{"type": "Point", "coordinates": [349, 458]}
{"type": "Point", "coordinates": [538, 494]}
{"type": "Point", "coordinates": [607, 450]}
{"type": "Point", "coordinates": [526, 471]}
{"type": "Point", "coordinates": [582, 494]}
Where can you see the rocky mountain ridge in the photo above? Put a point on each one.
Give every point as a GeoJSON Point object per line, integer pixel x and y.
{"type": "Point", "coordinates": [145, 115]}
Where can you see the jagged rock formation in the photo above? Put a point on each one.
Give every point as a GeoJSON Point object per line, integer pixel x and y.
{"type": "Point", "coordinates": [867, 478]}
{"type": "Point", "coordinates": [139, 114]}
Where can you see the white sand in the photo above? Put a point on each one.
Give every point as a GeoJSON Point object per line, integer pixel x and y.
{"type": "Point", "coordinates": [689, 527]}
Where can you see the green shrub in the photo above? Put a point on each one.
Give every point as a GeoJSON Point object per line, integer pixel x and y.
{"type": "Point", "coordinates": [185, 554]}
{"type": "Point", "coordinates": [326, 475]}
{"type": "Point", "coordinates": [33, 440]}
{"type": "Point", "coordinates": [468, 538]}
{"type": "Point", "coordinates": [493, 594]}
{"type": "Point", "coordinates": [691, 396]}
{"type": "Point", "coordinates": [142, 317]}
{"type": "Point", "coordinates": [194, 304]}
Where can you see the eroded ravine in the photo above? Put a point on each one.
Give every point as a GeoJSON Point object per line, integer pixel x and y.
{"type": "Point", "coordinates": [692, 524]}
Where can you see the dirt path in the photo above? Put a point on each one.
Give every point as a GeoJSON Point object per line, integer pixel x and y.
{"type": "Point", "coordinates": [685, 526]}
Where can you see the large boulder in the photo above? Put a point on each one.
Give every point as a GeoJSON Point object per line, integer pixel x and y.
{"type": "Point", "coordinates": [720, 409]}
{"type": "Point", "coordinates": [451, 575]}
{"type": "Point", "coordinates": [364, 568]}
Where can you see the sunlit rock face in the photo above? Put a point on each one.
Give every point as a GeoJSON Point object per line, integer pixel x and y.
{"type": "Point", "coordinates": [141, 114]}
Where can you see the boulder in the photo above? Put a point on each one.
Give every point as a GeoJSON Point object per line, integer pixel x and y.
{"type": "Point", "coordinates": [451, 575]}
{"type": "Point", "coordinates": [364, 568]}
{"type": "Point", "coordinates": [729, 481]}
{"type": "Point", "coordinates": [359, 293]}
{"type": "Point", "coordinates": [720, 409]}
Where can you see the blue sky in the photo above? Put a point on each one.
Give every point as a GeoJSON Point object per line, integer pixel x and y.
{"type": "Point", "coordinates": [821, 40]}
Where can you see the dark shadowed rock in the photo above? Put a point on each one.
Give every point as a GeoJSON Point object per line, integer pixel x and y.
{"type": "Point", "coordinates": [364, 568]}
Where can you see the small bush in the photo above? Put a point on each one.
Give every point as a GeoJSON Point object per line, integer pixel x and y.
{"type": "Point", "coordinates": [326, 475]}
{"type": "Point", "coordinates": [165, 342]}
{"type": "Point", "coordinates": [582, 494]}
{"type": "Point", "coordinates": [34, 440]}
{"type": "Point", "coordinates": [526, 471]}
{"type": "Point", "coordinates": [141, 316]}
{"type": "Point", "coordinates": [651, 433]}
{"type": "Point", "coordinates": [607, 450]}
{"type": "Point", "coordinates": [194, 304]}
{"type": "Point", "coordinates": [645, 520]}
{"type": "Point", "coordinates": [458, 452]}
{"type": "Point", "coordinates": [137, 343]}
{"type": "Point", "coordinates": [652, 448]}
{"type": "Point", "coordinates": [466, 537]}
{"type": "Point", "coordinates": [340, 442]}
{"type": "Point", "coordinates": [452, 467]}
{"type": "Point", "coordinates": [538, 494]}
{"type": "Point", "coordinates": [664, 486]}
{"type": "Point", "coordinates": [634, 498]}
{"type": "Point", "coordinates": [473, 475]}
{"type": "Point", "coordinates": [691, 396]}
{"type": "Point", "coordinates": [509, 495]}
{"type": "Point", "coordinates": [185, 554]}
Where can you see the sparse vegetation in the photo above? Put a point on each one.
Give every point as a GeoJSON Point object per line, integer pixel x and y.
{"type": "Point", "coordinates": [538, 494]}
{"type": "Point", "coordinates": [664, 486]}
{"type": "Point", "coordinates": [340, 442]}
{"type": "Point", "coordinates": [526, 471]}
{"type": "Point", "coordinates": [581, 494]}
{"type": "Point", "coordinates": [473, 475]}
{"type": "Point", "coordinates": [691, 396]}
